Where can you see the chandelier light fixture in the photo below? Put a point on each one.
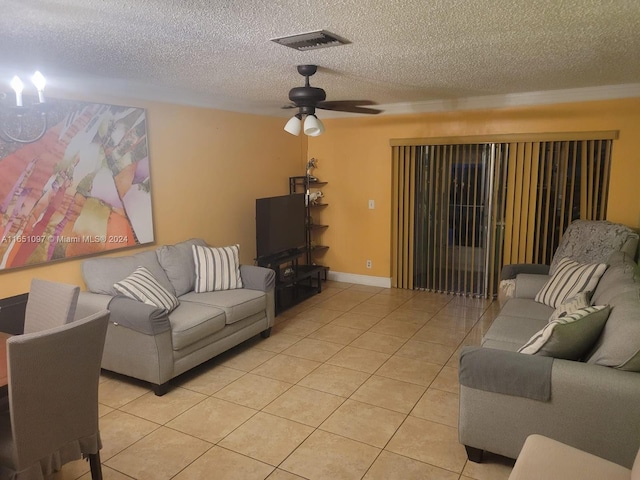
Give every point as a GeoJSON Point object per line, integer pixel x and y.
{"type": "Point", "coordinates": [21, 123]}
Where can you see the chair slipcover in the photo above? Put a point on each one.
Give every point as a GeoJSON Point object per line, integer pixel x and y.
{"type": "Point", "coordinates": [53, 398]}
{"type": "Point", "coordinates": [50, 304]}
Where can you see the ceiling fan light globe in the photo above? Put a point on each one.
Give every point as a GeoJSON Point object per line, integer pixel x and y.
{"type": "Point", "coordinates": [293, 126]}
{"type": "Point", "coordinates": [312, 126]}
{"type": "Point", "coordinates": [39, 81]}
{"type": "Point", "coordinates": [320, 129]}
{"type": "Point", "coordinates": [17, 84]}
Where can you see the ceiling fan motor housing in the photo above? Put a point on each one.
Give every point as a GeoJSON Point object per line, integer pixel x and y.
{"type": "Point", "coordinates": [307, 96]}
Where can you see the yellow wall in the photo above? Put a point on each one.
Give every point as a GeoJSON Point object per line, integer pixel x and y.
{"type": "Point", "coordinates": [209, 166]}
{"type": "Point", "coordinates": [207, 169]}
{"type": "Point", "coordinates": [354, 156]}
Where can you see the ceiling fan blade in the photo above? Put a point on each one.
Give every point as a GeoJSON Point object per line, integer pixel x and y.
{"type": "Point", "coordinates": [347, 108]}
{"type": "Point", "coordinates": [348, 102]}
{"type": "Point", "coordinates": [291, 105]}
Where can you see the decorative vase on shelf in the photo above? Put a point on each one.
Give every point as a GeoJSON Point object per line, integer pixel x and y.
{"type": "Point", "coordinates": [311, 164]}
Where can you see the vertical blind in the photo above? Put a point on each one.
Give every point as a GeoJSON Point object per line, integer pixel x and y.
{"type": "Point", "coordinates": [549, 185]}
{"type": "Point", "coordinates": [460, 211]}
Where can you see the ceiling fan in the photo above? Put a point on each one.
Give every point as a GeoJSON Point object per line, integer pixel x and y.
{"type": "Point", "coordinates": [306, 99]}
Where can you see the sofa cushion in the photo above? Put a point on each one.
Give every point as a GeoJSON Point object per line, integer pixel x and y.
{"type": "Point", "coordinates": [237, 304]}
{"type": "Point", "coordinates": [569, 279]}
{"type": "Point", "coordinates": [619, 344]}
{"type": "Point", "coordinates": [216, 268]}
{"type": "Point", "coordinates": [527, 308]}
{"type": "Point", "coordinates": [511, 332]}
{"type": "Point", "coordinates": [143, 287]}
{"type": "Point", "coordinates": [528, 285]}
{"type": "Point", "coordinates": [620, 274]}
{"type": "Point", "coordinates": [220, 341]}
{"type": "Point", "coordinates": [177, 262]}
{"type": "Point", "coordinates": [191, 322]}
{"type": "Point", "coordinates": [568, 337]}
{"type": "Point", "coordinates": [101, 273]}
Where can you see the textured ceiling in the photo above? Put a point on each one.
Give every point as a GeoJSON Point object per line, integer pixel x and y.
{"type": "Point", "coordinates": [218, 53]}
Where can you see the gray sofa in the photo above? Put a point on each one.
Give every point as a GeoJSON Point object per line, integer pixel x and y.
{"type": "Point", "coordinates": [147, 343]}
{"type": "Point", "coordinates": [592, 403]}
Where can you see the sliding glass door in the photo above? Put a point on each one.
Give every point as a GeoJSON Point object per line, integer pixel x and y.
{"type": "Point", "coordinates": [453, 204]}
{"type": "Point", "coordinates": [462, 210]}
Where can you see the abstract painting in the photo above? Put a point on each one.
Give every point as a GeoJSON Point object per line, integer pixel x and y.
{"type": "Point", "coordinates": [82, 189]}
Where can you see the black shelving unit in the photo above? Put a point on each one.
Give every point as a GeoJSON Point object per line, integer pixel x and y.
{"type": "Point", "coordinates": [302, 184]}
{"type": "Point", "coordinates": [295, 282]}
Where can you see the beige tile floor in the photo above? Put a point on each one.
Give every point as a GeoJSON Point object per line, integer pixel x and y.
{"type": "Point", "coordinates": [356, 383]}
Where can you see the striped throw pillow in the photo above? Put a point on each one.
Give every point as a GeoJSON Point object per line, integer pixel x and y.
{"type": "Point", "coordinates": [569, 337]}
{"type": "Point", "coordinates": [569, 279]}
{"type": "Point", "coordinates": [581, 300]}
{"type": "Point", "coordinates": [142, 286]}
{"type": "Point", "coordinates": [217, 268]}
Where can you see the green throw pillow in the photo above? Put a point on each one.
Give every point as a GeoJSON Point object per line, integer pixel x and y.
{"type": "Point", "coordinates": [569, 337]}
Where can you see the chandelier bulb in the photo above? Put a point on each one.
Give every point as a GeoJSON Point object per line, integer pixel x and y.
{"type": "Point", "coordinates": [39, 82]}
{"type": "Point", "coordinates": [17, 86]}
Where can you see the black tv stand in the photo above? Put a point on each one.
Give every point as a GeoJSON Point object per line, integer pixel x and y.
{"type": "Point", "coordinates": [280, 258]}
{"type": "Point", "coordinates": [294, 282]}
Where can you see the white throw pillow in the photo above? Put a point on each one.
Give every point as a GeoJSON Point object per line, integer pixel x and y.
{"type": "Point", "coordinates": [142, 286]}
{"type": "Point", "coordinates": [216, 268]}
{"type": "Point", "coordinates": [569, 279]}
{"type": "Point", "coordinates": [580, 301]}
{"type": "Point", "coordinates": [569, 337]}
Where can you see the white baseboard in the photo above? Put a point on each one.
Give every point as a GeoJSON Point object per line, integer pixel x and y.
{"type": "Point", "coordinates": [384, 282]}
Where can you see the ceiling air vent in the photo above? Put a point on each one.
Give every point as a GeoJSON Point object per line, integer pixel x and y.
{"type": "Point", "coordinates": [311, 40]}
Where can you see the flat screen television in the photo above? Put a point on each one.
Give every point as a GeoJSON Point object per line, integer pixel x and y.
{"type": "Point", "coordinates": [280, 224]}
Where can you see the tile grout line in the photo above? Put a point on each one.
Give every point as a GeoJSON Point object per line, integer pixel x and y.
{"type": "Point", "coordinates": [324, 362]}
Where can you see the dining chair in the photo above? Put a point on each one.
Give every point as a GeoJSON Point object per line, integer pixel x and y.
{"type": "Point", "coordinates": [49, 304]}
{"type": "Point", "coordinates": [53, 399]}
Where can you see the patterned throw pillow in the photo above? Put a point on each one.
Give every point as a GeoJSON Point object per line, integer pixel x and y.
{"type": "Point", "coordinates": [217, 268]}
{"type": "Point", "coordinates": [569, 279]}
{"type": "Point", "coordinates": [569, 337]}
{"type": "Point", "coordinates": [142, 286]}
{"type": "Point", "coordinates": [572, 305]}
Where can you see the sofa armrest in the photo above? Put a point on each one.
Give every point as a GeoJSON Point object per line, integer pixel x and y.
{"type": "Point", "coordinates": [257, 278]}
{"type": "Point", "coordinates": [503, 371]}
{"type": "Point", "coordinates": [129, 313]}
{"type": "Point", "coordinates": [528, 285]}
{"type": "Point", "coordinates": [593, 408]}
{"type": "Point", "coordinates": [139, 316]}
{"type": "Point", "coordinates": [512, 270]}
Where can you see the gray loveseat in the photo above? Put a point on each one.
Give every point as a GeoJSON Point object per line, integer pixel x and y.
{"type": "Point", "coordinates": [592, 404]}
{"type": "Point", "coordinates": [147, 343]}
